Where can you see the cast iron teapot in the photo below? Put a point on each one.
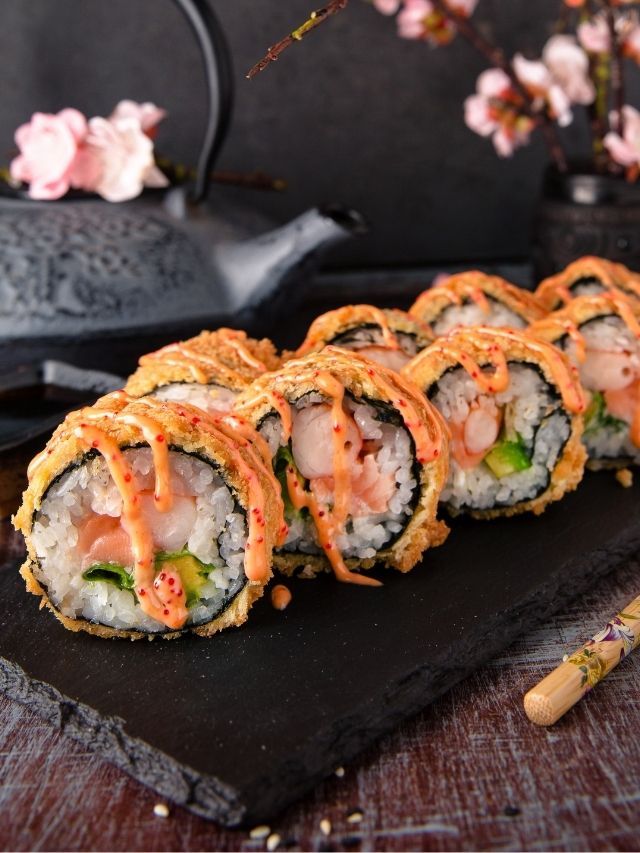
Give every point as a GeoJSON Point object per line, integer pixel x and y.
{"type": "Point", "coordinates": [97, 283]}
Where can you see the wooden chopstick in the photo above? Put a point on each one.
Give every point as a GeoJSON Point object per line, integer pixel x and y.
{"type": "Point", "coordinates": [568, 683]}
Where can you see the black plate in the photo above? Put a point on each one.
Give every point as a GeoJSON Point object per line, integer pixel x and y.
{"type": "Point", "coordinates": [238, 726]}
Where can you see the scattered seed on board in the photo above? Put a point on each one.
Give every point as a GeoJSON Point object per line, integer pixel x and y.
{"type": "Point", "coordinates": [272, 841]}
{"type": "Point", "coordinates": [161, 810]}
{"type": "Point", "coordinates": [355, 817]}
{"type": "Point", "coordinates": [325, 826]}
{"type": "Point", "coordinates": [339, 771]}
{"type": "Point", "coordinates": [260, 831]}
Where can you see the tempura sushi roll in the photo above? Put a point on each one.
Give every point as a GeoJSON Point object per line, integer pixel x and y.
{"type": "Point", "coordinates": [514, 408]}
{"type": "Point", "coordinates": [475, 299]}
{"type": "Point", "coordinates": [588, 276]}
{"type": "Point", "coordinates": [361, 457]}
{"type": "Point", "coordinates": [601, 335]}
{"type": "Point", "coordinates": [207, 371]}
{"type": "Point", "coordinates": [144, 519]}
{"type": "Point", "coordinates": [387, 336]}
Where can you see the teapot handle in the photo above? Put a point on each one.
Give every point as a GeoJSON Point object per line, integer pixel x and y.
{"type": "Point", "coordinates": [218, 70]}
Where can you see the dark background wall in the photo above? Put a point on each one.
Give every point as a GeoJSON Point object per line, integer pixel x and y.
{"type": "Point", "coordinates": [352, 114]}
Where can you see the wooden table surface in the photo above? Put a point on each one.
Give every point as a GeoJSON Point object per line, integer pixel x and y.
{"type": "Point", "coordinates": [470, 772]}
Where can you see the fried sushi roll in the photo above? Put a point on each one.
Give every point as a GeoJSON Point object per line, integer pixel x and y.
{"type": "Point", "coordinates": [207, 371]}
{"type": "Point", "coordinates": [387, 336]}
{"type": "Point", "coordinates": [514, 408]}
{"type": "Point", "coordinates": [474, 299]}
{"type": "Point", "coordinates": [361, 457]}
{"type": "Point", "coordinates": [145, 519]}
{"type": "Point", "coordinates": [588, 276]}
{"type": "Point", "coordinates": [601, 336]}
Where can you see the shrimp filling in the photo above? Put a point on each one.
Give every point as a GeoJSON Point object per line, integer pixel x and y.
{"type": "Point", "coordinates": [504, 446]}
{"type": "Point", "coordinates": [85, 560]}
{"type": "Point", "coordinates": [610, 374]}
{"type": "Point", "coordinates": [470, 313]}
{"type": "Point", "coordinates": [209, 398]}
{"type": "Point", "coordinates": [367, 340]}
{"type": "Point", "coordinates": [379, 455]}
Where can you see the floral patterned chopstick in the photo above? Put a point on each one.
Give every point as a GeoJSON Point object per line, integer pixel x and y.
{"type": "Point", "coordinates": [552, 697]}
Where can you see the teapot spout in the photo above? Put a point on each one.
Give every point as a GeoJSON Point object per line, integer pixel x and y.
{"type": "Point", "coordinates": [254, 270]}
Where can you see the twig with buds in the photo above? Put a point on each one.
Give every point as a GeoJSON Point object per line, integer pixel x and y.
{"type": "Point", "coordinates": [314, 20]}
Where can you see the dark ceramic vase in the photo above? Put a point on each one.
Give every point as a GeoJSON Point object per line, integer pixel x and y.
{"type": "Point", "coordinates": [585, 214]}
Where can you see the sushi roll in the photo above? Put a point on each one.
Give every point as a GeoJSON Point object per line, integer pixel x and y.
{"type": "Point", "coordinates": [387, 336]}
{"type": "Point", "coordinates": [146, 519]}
{"type": "Point", "coordinates": [207, 371]}
{"type": "Point", "coordinates": [361, 457]}
{"type": "Point", "coordinates": [601, 335]}
{"type": "Point", "coordinates": [588, 276]}
{"type": "Point", "coordinates": [514, 408]}
{"type": "Point", "coordinates": [474, 299]}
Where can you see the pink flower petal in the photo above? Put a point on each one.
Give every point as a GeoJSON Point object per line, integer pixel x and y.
{"type": "Point", "coordinates": [620, 151]}
{"type": "Point", "coordinates": [387, 7]}
{"type": "Point", "coordinates": [76, 123]}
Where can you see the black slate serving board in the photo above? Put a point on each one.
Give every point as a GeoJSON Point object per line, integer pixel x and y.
{"type": "Point", "coordinates": [238, 726]}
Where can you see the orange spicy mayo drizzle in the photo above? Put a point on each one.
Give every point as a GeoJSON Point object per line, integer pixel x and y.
{"type": "Point", "coordinates": [380, 319]}
{"type": "Point", "coordinates": [256, 564]}
{"type": "Point", "coordinates": [455, 292]}
{"type": "Point", "coordinates": [181, 354]}
{"type": "Point", "coordinates": [317, 332]}
{"type": "Point", "coordinates": [565, 327]}
{"type": "Point", "coordinates": [178, 355]}
{"type": "Point", "coordinates": [234, 432]}
{"type": "Point", "coordinates": [625, 310]}
{"type": "Point", "coordinates": [565, 376]}
{"type": "Point", "coordinates": [280, 405]}
{"type": "Point", "coordinates": [234, 340]}
{"type": "Point", "coordinates": [492, 383]}
{"type": "Point", "coordinates": [329, 523]}
{"type": "Point", "coordinates": [170, 608]}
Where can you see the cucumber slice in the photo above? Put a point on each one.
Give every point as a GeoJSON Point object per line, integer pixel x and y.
{"type": "Point", "coordinates": [281, 461]}
{"type": "Point", "coordinates": [109, 573]}
{"type": "Point", "coordinates": [193, 573]}
{"type": "Point", "coordinates": [508, 457]}
{"type": "Point", "coordinates": [597, 417]}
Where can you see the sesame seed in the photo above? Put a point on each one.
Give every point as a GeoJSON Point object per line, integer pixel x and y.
{"type": "Point", "coordinates": [161, 810]}
{"type": "Point", "coordinates": [355, 817]}
{"type": "Point", "coordinates": [325, 826]}
{"type": "Point", "coordinates": [339, 771]}
{"type": "Point", "coordinates": [272, 841]}
{"type": "Point", "coordinates": [261, 831]}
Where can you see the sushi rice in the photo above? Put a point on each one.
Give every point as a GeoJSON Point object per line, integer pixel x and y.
{"type": "Point", "coordinates": [217, 536]}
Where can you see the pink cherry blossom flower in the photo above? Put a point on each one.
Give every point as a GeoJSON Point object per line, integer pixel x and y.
{"type": "Point", "coordinates": [118, 160]}
{"type": "Point", "coordinates": [539, 83]}
{"type": "Point", "coordinates": [625, 149]}
{"type": "Point", "coordinates": [466, 8]}
{"type": "Point", "coordinates": [496, 110]}
{"type": "Point", "coordinates": [594, 35]}
{"type": "Point", "coordinates": [48, 146]}
{"type": "Point", "coordinates": [387, 7]}
{"type": "Point", "coordinates": [419, 19]}
{"type": "Point", "coordinates": [569, 67]}
{"type": "Point", "coordinates": [148, 114]}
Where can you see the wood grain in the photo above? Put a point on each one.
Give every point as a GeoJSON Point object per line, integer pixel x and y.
{"type": "Point", "coordinates": [471, 772]}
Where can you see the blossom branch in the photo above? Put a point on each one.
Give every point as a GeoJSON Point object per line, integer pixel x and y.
{"type": "Point", "coordinates": [617, 73]}
{"type": "Point", "coordinates": [496, 57]}
{"type": "Point", "coordinates": [314, 20]}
